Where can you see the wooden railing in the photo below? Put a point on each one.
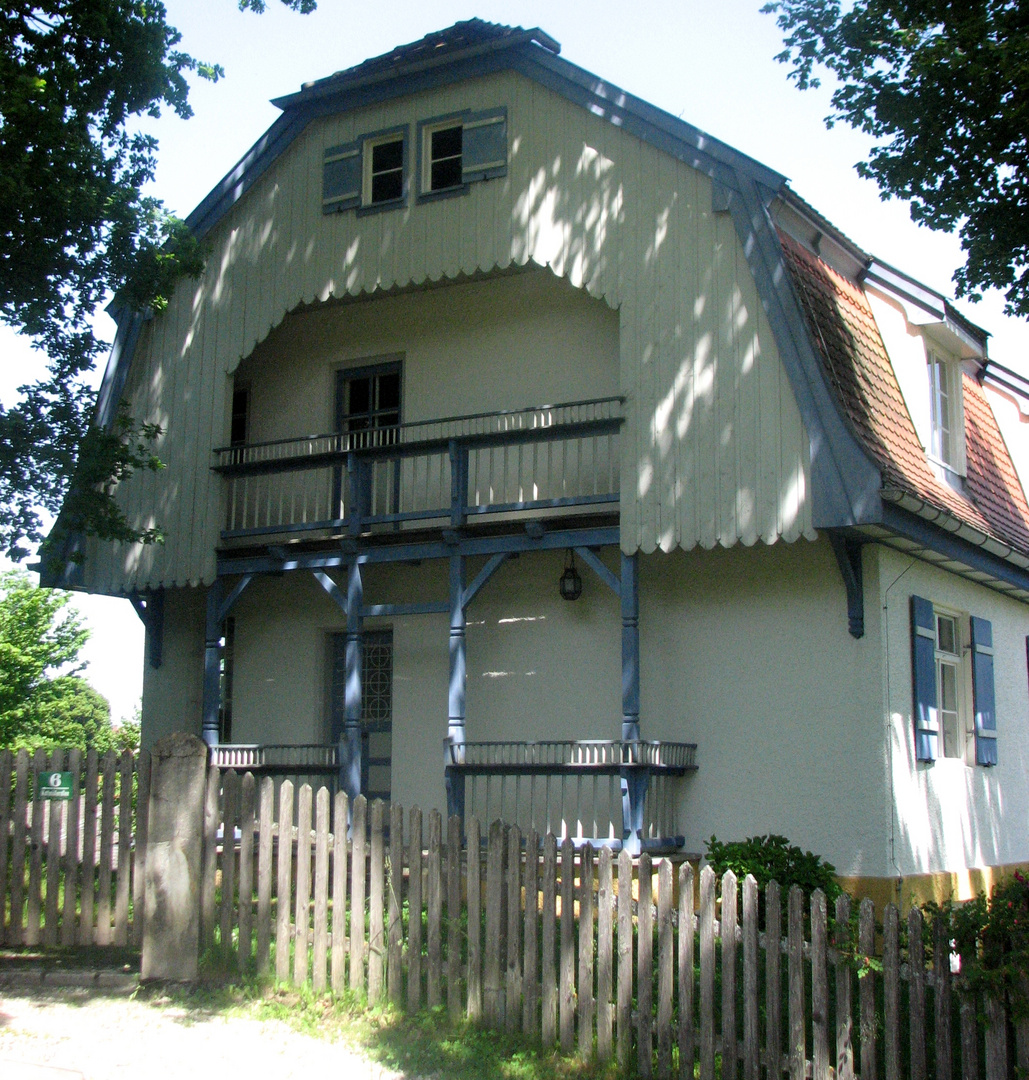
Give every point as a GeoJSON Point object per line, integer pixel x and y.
{"type": "Point", "coordinates": [576, 789]}
{"type": "Point", "coordinates": [551, 458]}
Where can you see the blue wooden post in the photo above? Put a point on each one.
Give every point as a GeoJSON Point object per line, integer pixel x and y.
{"type": "Point", "coordinates": [456, 697]}
{"type": "Point", "coordinates": [634, 779]}
{"type": "Point", "coordinates": [350, 746]}
{"type": "Point", "coordinates": [458, 483]}
{"type": "Point", "coordinates": [212, 665]}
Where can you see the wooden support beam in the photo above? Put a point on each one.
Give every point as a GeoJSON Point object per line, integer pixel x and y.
{"type": "Point", "coordinates": [848, 558]}
{"type": "Point", "coordinates": [594, 562]}
{"type": "Point", "coordinates": [212, 665]}
{"type": "Point", "coordinates": [634, 781]}
{"type": "Point", "coordinates": [456, 696]}
{"type": "Point", "coordinates": [350, 746]}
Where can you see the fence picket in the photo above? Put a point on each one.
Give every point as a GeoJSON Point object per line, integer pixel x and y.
{"type": "Point", "coordinates": [246, 870]}
{"type": "Point", "coordinates": [376, 926]}
{"type": "Point", "coordinates": [916, 994]}
{"type": "Point", "coordinates": [395, 886]}
{"type": "Point", "coordinates": [773, 980]}
{"type": "Point", "coordinates": [513, 975]}
{"type": "Point", "coordinates": [795, 965]}
{"type": "Point", "coordinates": [474, 922]}
{"type": "Point", "coordinates": [454, 917]}
{"type": "Point", "coordinates": [645, 968]}
{"type": "Point", "coordinates": [623, 1012]}
{"type": "Point", "coordinates": [140, 848]}
{"type": "Point", "coordinates": [891, 990]}
{"type": "Point", "coordinates": [71, 850]}
{"type": "Point", "coordinates": [687, 923]}
{"type": "Point", "coordinates": [106, 852]}
{"type": "Point", "coordinates": [942, 1040]}
{"type": "Point", "coordinates": [88, 850]}
{"type": "Point", "coordinates": [530, 966]}
{"type": "Point", "coordinates": [340, 824]}
{"type": "Point", "coordinates": [548, 988]}
{"type": "Point", "coordinates": [284, 881]}
{"type": "Point", "coordinates": [302, 910]}
{"type": "Point", "coordinates": [434, 904]}
{"type": "Point", "coordinates": [207, 887]}
{"type": "Point", "coordinates": [53, 858]}
{"type": "Point", "coordinates": [844, 993]}
{"type": "Point", "coordinates": [665, 987]}
{"type": "Point", "coordinates": [6, 810]}
{"type": "Point", "coordinates": [34, 904]}
{"type": "Point", "coordinates": [492, 1010]}
{"type": "Point", "coordinates": [728, 935]}
{"type": "Point", "coordinates": [586, 998]}
{"type": "Point", "coordinates": [751, 1034]}
{"type": "Point", "coordinates": [319, 952]}
{"type": "Point", "coordinates": [566, 992]}
{"type": "Point", "coordinates": [230, 816]}
{"type": "Point", "coordinates": [819, 988]}
{"type": "Point", "coordinates": [996, 1039]}
{"type": "Point", "coordinates": [969, 1026]}
{"type": "Point", "coordinates": [707, 974]}
{"type": "Point", "coordinates": [358, 880]}
{"type": "Point", "coordinates": [866, 990]}
{"type": "Point", "coordinates": [123, 882]}
{"type": "Point", "coordinates": [264, 873]}
{"type": "Point", "coordinates": [415, 906]}
{"type": "Point", "coordinates": [605, 955]}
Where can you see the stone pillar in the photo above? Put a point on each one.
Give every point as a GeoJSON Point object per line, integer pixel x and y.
{"type": "Point", "coordinates": [174, 859]}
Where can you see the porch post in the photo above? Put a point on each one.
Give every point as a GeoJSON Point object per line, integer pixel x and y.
{"type": "Point", "coordinates": [633, 778]}
{"type": "Point", "coordinates": [350, 745]}
{"type": "Point", "coordinates": [212, 665]}
{"type": "Point", "coordinates": [458, 679]}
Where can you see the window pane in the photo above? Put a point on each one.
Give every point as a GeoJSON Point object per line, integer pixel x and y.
{"type": "Point", "coordinates": [946, 634]}
{"type": "Point", "coordinates": [360, 396]}
{"type": "Point", "coordinates": [389, 390]}
{"type": "Point", "coordinates": [387, 186]}
{"type": "Point", "coordinates": [446, 173]}
{"type": "Point", "coordinates": [387, 156]}
{"type": "Point", "coordinates": [446, 142]}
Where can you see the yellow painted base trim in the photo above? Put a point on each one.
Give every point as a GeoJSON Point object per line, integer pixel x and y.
{"type": "Point", "coordinates": [921, 888]}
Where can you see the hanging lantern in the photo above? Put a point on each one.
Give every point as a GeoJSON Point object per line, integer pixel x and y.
{"type": "Point", "coordinates": [570, 583]}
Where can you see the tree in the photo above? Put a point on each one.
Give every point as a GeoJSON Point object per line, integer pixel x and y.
{"type": "Point", "coordinates": [945, 87]}
{"type": "Point", "coordinates": [43, 701]}
{"type": "Point", "coordinates": [77, 230]}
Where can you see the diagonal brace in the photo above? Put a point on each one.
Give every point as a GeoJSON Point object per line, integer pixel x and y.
{"type": "Point", "coordinates": [593, 561]}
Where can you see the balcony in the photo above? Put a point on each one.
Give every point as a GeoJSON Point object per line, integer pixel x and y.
{"type": "Point", "coordinates": [552, 460]}
{"type": "Point", "coordinates": [586, 790]}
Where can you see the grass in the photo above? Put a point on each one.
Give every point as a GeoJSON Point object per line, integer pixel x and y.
{"type": "Point", "coordinates": [425, 1044]}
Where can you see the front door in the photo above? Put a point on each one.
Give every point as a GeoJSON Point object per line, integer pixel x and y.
{"type": "Point", "coordinates": [376, 708]}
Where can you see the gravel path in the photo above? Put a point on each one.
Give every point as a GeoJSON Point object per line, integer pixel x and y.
{"type": "Point", "coordinates": [80, 1034]}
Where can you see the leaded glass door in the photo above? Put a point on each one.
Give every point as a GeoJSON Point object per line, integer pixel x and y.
{"type": "Point", "coordinates": [376, 708]}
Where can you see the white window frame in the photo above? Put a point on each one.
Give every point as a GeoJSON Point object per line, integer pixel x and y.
{"type": "Point", "coordinates": [427, 131]}
{"type": "Point", "coordinates": [946, 410]}
{"type": "Point", "coordinates": [368, 146]}
{"type": "Point", "coordinates": [957, 735]}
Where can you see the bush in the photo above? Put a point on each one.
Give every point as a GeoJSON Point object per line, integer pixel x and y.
{"type": "Point", "coordinates": [774, 858]}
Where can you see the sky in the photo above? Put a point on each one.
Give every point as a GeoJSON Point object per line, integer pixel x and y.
{"type": "Point", "coordinates": [710, 62]}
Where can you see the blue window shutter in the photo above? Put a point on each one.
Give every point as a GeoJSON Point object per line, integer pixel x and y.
{"type": "Point", "coordinates": [983, 697]}
{"type": "Point", "coordinates": [484, 145]}
{"type": "Point", "coordinates": [923, 669]}
{"type": "Point", "coordinates": [341, 178]}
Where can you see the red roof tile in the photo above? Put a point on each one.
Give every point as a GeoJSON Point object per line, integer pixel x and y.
{"type": "Point", "coordinates": [848, 340]}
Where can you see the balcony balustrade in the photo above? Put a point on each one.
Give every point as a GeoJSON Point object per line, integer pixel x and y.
{"type": "Point", "coordinates": [575, 789]}
{"type": "Point", "coordinates": [554, 459]}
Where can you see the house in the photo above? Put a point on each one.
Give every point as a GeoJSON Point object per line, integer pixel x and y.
{"type": "Point", "coordinates": [530, 452]}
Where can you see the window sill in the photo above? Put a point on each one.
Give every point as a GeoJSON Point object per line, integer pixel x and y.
{"type": "Point", "coordinates": [443, 193]}
{"type": "Point", "coordinates": [381, 207]}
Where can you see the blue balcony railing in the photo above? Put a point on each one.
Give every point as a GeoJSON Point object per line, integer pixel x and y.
{"type": "Point", "coordinates": [550, 459]}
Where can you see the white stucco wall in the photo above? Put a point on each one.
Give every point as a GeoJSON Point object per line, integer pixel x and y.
{"type": "Point", "coordinates": [949, 815]}
{"type": "Point", "coordinates": [747, 653]}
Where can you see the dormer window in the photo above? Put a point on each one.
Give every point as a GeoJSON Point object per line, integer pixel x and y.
{"type": "Point", "coordinates": [941, 408]}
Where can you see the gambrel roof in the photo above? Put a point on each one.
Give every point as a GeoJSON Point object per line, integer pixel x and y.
{"type": "Point", "coordinates": [867, 468]}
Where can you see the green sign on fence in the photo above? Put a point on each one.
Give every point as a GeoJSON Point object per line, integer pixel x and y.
{"type": "Point", "coordinates": [54, 785]}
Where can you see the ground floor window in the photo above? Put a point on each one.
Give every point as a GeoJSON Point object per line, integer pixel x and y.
{"type": "Point", "coordinates": [376, 707]}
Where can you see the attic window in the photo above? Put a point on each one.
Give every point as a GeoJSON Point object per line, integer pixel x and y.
{"type": "Point", "coordinates": [458, 150]}
{"type": "Point", "coordinates": [945, 412]}
{"type": "Point", "coordinates": [383, 170]}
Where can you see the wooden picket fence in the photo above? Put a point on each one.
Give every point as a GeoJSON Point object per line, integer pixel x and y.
{"type": "Point", "coordinates": [71, 871]}
{"type": "Point", "coordinates": [603, 955]}
{"type": "Point", "coordinates": [608, 956]}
